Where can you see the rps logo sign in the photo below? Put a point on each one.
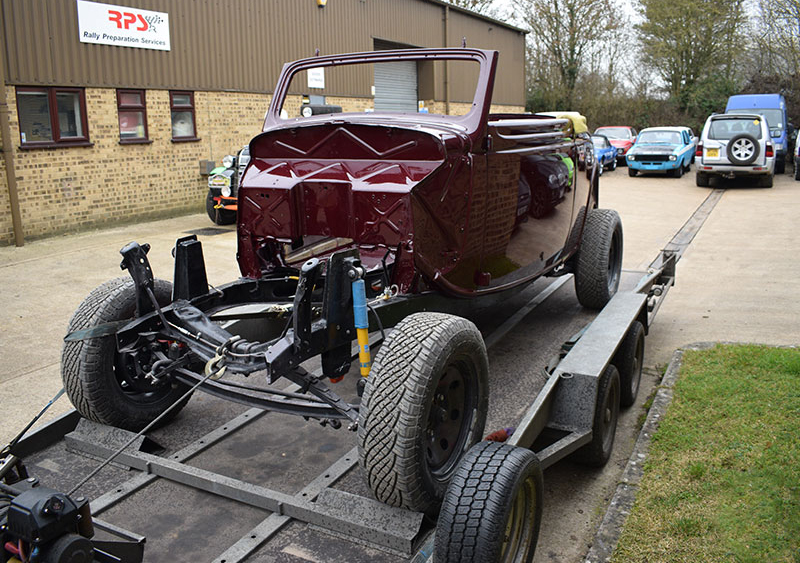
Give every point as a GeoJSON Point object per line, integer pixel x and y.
{"type": "Point", "coordinates": [108, 24]}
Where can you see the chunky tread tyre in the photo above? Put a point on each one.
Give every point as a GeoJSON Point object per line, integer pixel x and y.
{"type": "Point", "coordinates": [701, 180]}
{"type": "Point", "coordinates": [493, 509]}
{"type": "Point", "coordinates": [604, 424]}
{"type": "Point", "coordinates": [400, 445]}
{"type": "Point", "coordinates": [89, 367]}
{"type": "Point", "coordinates": [599, 259]}
{"type": "Point", "coordinates": [218, 216]}
{"type": "Point", "coordinates": [628, 361]}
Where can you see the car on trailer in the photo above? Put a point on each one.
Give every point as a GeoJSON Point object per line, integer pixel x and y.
{"type": "Point", "coordinates": [358, 221]}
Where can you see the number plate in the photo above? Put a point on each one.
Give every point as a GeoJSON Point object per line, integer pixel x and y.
{"type": "Point", "coordinates": [712, 153]}
{"type": "Point", "coordinates": [219, 181]}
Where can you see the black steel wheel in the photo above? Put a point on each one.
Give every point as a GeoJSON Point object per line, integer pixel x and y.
{"type": "Point", "coordinates": [628, 360]}
{"type": "Point", "coordinates": [604, 423]}
{"type": "Point", "coordinates": [742, 149]}
{"type": "Point", "coordinates": [218, 216]}
{"type": "Point", "coordinates": [107, 386]}
{"type": "Point", "coordinates": [599, 259]}
{"type": "Point", "coordinates": [701, 180]}
{"type": "Point", "coordinates": [424, 406]}
{"type": "Point", "coordinates": [493, 508]}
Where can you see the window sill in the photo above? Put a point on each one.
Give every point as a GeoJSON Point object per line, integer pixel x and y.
{"type": "Point", "coordinates": [185, 139]}
{"type": "Point", "coordinates": [34, 146]}
{"type": "Point", "coordinates": [135, 141]}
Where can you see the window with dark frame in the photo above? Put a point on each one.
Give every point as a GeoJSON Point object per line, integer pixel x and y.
{"type": "Point", "coordinates": [182, 109]}
{"type": "Point", "coordinates": [51, 117]}
{"type": "Point", "coordinates": [132, 113]}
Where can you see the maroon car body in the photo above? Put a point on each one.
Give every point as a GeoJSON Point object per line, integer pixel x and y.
{"type": "Point", "coordinates": [437, 198]}
{"type": "Point", "coordinates": [621, 136]}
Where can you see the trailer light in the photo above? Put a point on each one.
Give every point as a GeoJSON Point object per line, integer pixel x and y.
{"type": "Point", "coordinates": [226, 191]}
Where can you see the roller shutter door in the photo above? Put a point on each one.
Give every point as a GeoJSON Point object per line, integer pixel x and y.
{"type": "Point", "coordinates": [396, 86]}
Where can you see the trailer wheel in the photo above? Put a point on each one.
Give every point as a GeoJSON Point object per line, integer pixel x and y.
{"type": "Point", "coordinates": [424, 406]}
{"type": "Point", "coordinates": [218, 216]}
{"type": "Point", "coordinates": [628, 361]}
{"type": "Point", "coordinates": [493, 508]}
{"type": "Point", "coordinates": [102, 383]}
{"type": "Point", "coordinates": [599, 259]}
{"type": "Point", "coordinates": [604, 423]}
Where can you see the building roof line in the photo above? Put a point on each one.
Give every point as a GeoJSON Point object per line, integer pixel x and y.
{"type": "Point", "coordinates": [477, 15]}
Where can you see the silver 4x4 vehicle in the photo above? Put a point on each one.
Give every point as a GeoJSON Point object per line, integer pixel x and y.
{"type": "Point", "coordinates": [735, 145]}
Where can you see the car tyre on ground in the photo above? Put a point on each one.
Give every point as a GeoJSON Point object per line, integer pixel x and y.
{"type": "Point", "coordinates": [104, 385]}
{"type": "Point", "coordinates": [493, 508]}
{"type": "Point", "coordinates": [424, 406]}
{"type": "Point", "coordinates": [604, 424]}
{"type": "Point", "coordinates": [632, 172]}
{"type": "Point", "coordinates": [628, 361]}
{"type": "Point", "coordinates": [701, 180]}
{"type": "Point", "coordinates": [767, 181]}
{"type": "Point", "coordinates": [218, 216]}
{"type": "Point", "coordinates": [599, 260]}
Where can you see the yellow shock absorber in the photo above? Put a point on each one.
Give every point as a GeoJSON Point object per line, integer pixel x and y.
{"type": "Point", "coordinates": [362, 325]}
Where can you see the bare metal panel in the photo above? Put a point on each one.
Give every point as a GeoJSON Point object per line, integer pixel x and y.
{"type": "Point", "coordinates": [240, 45]}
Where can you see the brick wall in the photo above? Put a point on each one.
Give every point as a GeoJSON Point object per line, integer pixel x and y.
{"type": "Point", "coordinates": [69, 189]}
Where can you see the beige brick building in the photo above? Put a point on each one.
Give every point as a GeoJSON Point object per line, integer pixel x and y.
{"type": "Point", "coordinates": [94, 131]}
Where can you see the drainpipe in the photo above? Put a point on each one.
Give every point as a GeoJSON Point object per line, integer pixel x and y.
{"type": "Point", "coordinates": [446, 62]}
{"type": "Point", "coordinates": [8, 155]}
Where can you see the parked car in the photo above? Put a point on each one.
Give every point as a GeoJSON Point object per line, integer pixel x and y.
{"type": "Point", "coordinates": [604, 152]}
{"type": "Point", "coordinates": [621, 136]}
{"type": "Point", "coordinates": [346, 221]}
{"type": "Point", "coordinates": [223, 187]}
{"type": "Point", "coordinates": [773, 108]}
{"type": "Point", "coordinates": [661, 149]}
{"type": "Point", "coordinates": [733, 145]}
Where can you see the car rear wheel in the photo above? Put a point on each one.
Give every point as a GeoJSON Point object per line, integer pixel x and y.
{"type": "Point", "coordinates": [701, 180]}
{"type": "Point", "coordinates": [780, 165]}
{"type": "Point", "coordinates": [599, 259]}
{"type": "Point", "coordinates": [767, 181]}
{"type": "Point", "coordinates": [424, 406]}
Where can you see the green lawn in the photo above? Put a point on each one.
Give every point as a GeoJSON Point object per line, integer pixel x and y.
{"type": "Point", "coordinates": [722, 479]}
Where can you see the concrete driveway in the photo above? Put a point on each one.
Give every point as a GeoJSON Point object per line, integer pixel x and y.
{"type": "Point", "coordinates": [736, 282]}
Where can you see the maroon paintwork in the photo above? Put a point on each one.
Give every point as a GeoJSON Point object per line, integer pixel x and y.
{"type": "Point", "coordinates": [622, 145]}
{"type": "Point", "coordinates": [440, 198]}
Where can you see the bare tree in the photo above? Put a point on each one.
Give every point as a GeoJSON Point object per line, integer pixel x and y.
{"type": "Point", "coordinates": [564, 36]}
{"type": "Point", "coordinates": [687, 42]}
{"type": "Point", "coordinates": [778, 42]}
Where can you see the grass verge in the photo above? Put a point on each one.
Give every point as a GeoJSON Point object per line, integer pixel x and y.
{"type": "Point", "coordinates": [722, 480]}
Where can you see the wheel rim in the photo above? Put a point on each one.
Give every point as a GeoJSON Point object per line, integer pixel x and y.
{"type": "Point", "coordinates": [614, 262]}
{"type": "Point", "coordinates": [519, 525]}
{"type": "Point", "coordinates": [742, 149]}
{"type": "Point", "coordinates": [637, 367]}
{"type": "Point", "coordinates": [128, 370]}
{"type": "Point", "coordinates": [450, 419]}
{"type": "Point", "coordinates": [610, 414]}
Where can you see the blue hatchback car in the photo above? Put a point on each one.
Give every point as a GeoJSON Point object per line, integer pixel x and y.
{"type": "Point", "coordinates": [662, 149]}
{"type": "Point", "coordinates": [605, 153]}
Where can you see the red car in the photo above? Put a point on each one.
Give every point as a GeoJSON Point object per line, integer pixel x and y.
{"type": "Point", "coordinates": [621, 136]}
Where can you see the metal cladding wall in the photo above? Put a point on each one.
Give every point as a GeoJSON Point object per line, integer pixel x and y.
{"type": "Point", "coordinates": [240, 45]}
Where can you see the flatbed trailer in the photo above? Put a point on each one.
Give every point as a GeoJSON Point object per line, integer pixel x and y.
{"type": "Point", "coordinates": [194, 487]}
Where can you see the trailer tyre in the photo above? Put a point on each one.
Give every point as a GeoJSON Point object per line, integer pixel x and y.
{"type": "Point", "coordinates": [423, 407]}
{"type": "Point", "coordinates": [599, 259]}
{"type": "Point", "coordinates": [628, 361]}
{"type": "Point", "coordinates": [493, 508]}
{"type": "Point", "coordinates": [98, 380]}
{"type": "Point", "coordinates": [604, 423]}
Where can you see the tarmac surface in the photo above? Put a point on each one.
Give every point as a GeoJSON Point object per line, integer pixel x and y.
{"type": "Point", "coordinates": [736, 282]}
